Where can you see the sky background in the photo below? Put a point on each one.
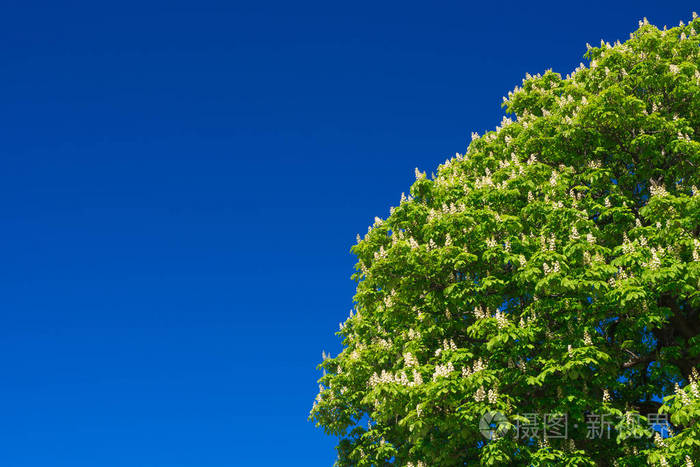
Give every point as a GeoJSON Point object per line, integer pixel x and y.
{"type": "Point", "coordinates": [181, 183]}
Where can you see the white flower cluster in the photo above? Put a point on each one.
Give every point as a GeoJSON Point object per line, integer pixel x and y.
{"type": "Point", "coordinates": [554, 269]}
{"type": "Point", "coordinates": [696, 247]}
{"type": "Point", "coordinates": [655, 261]}
{"type": "Point", "coordinates": [386, 377]}
{"type": "Point", "coordinates": [383, 378]}
{"type": "Point", "coordinates": [490, 136]}
{"type": "Point", "coordinates": [446, 345]}
{"type": "Point", "coordinates": [443, 371]}
{"type": "Point", "coordinates": [445, 209]}
{"type": "Point", "coordinates": [501, 319]}
{"type": "Point", "coordinates": [479, 365]}
{"type": "Point", "coordinates": [363, 267]}
{"type": "Point", "coordinates": [574, 234]}
{"type": "Point", "coordinates": [454, 209]}
{"type": "Point", "coordinates": [505, 121]}
{"type": "Point", "coordinates": [397, 236]}
{"type": "Point", "coordinates": [587, 338]}
{"type": "Point", "coordinates": [381, 254]}
{"type": "Point", "coordinates": [553, 178]}
{"type": "Point", "coordinates": [564, 100]}
{"type": "Point", "coordinates": [484, 181]}
{"type": "Point", "coordinates": [586, 258]}
{"type": "Point", "coordinates": [480, 313]}
{"type": "Point", "coordinates": [656, 189]}
{"type": "Point", "coordinates": [417, 378]}
{"type": "Point", "coordinates": [383, 343]}
{"type": "Point", "coordinates": [493, 395]}
{"type": "Point", "coordinates": [659, 441]}
{"type": "Point", "coordinates": [525, 118]}
{"type": "Point", "coordinates": [552, 242]}
{"type": "Point", "coordinates": [480, 395]}
{"type": "Point", "coordinates": [449, 345]}
{"type": "Point", "coordinates": [627, 246]}
{"type": "Point", "coordinates": [468, 371]}
{"type": "Point", "coordinates": [606, 396]}
{"type": "Point", "coordinates": [389, 299]}
{"type": "Point", "coordinates": [410, 360]}
{"type": "Point", "coordinates": [682, 395]}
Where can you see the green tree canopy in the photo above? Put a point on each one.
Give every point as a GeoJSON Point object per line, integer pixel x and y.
{"type": "Point", "coordinates": [554, 268]}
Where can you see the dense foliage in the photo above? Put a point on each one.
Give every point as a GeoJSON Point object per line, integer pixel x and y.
{"type": "Point", "coordinates": [554, 268]}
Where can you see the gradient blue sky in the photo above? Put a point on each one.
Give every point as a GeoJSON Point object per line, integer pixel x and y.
{"type": "Point", "coordinates": [181, 183]}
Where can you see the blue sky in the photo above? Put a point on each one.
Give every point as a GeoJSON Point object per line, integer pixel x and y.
{"type": "Point", "coordinates": [181, 183]}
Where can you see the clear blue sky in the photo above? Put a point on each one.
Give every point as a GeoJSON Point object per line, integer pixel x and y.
{"type": "Point", "coordinates": [181, 183]}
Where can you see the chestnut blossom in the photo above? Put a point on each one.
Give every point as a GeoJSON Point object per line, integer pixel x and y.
{"type": "Point", "coordinates": [501, 319]}
{"type": "Point", "coordinates": [410, 360]}
{"type": "Point", "coordinates": [493, 396]}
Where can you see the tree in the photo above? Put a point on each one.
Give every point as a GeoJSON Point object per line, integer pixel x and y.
{"type": "Point", "coordinates": [552, 270]}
